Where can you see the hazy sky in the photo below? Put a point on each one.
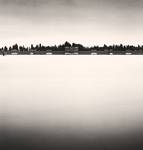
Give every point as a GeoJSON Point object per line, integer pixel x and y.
{"type": "Point", "coordinates": [85, 21]}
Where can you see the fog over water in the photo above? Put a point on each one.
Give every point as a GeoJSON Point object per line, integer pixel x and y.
{"type": "Point", "coordinates": [72, 96]}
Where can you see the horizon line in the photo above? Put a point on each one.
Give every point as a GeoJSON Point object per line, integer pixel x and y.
{"type": "Point", "coordinates": [59, 44]}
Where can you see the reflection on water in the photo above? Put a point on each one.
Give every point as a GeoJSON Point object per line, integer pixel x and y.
{"type": "Point", "coordinates": [79, 98]}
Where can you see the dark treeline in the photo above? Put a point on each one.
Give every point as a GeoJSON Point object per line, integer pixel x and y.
{"type": "Point", "coordinates": [73, 48]}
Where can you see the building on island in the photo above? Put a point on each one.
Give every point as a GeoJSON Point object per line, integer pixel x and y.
{"type": "Point", "coordinates": [71, 50]}
{"type": "Point", "coordinates": [14, 52]}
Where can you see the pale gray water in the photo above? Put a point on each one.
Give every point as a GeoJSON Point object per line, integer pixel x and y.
{"type": "Point", "coordinates": [82, 95]}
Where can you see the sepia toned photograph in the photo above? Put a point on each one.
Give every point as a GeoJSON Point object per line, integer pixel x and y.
{"type": "Point", "coordinates": [71, 75]}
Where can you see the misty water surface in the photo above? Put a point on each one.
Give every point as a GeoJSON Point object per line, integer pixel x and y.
{"type": "Point", "coordinates": [76, 95]}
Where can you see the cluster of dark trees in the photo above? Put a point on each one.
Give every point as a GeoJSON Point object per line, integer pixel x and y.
{"type": "Point", "coordinates": [40, 47]}
{"type": "Point", "coordinates": [119, 49]}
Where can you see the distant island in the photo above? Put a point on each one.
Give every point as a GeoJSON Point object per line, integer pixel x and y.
{"type": "Point", "coordinates": [72, 49]}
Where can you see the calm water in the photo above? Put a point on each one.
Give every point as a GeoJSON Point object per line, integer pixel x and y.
{"type": "Point", "coordinates": [63, 99]}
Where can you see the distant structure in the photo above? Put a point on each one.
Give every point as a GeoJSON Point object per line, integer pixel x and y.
{"type": "Point", "coordinates": [93, 51]}
{"type": "Point", "coordinates": [49, 52]}
{"type": "Point", "coordinates": [72, 49]}
{"type": "Point", "coordinates": [14, 52]}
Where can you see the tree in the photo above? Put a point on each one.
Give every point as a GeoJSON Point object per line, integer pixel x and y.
{"type": "Point", "coordinates": [32, 47]}
{"type": "Point", "coordinates": [67, 44]}
{"type": "Point", "coordinates": [5, 49]}
{"type": "Point", "coordinates": [15, 47]}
